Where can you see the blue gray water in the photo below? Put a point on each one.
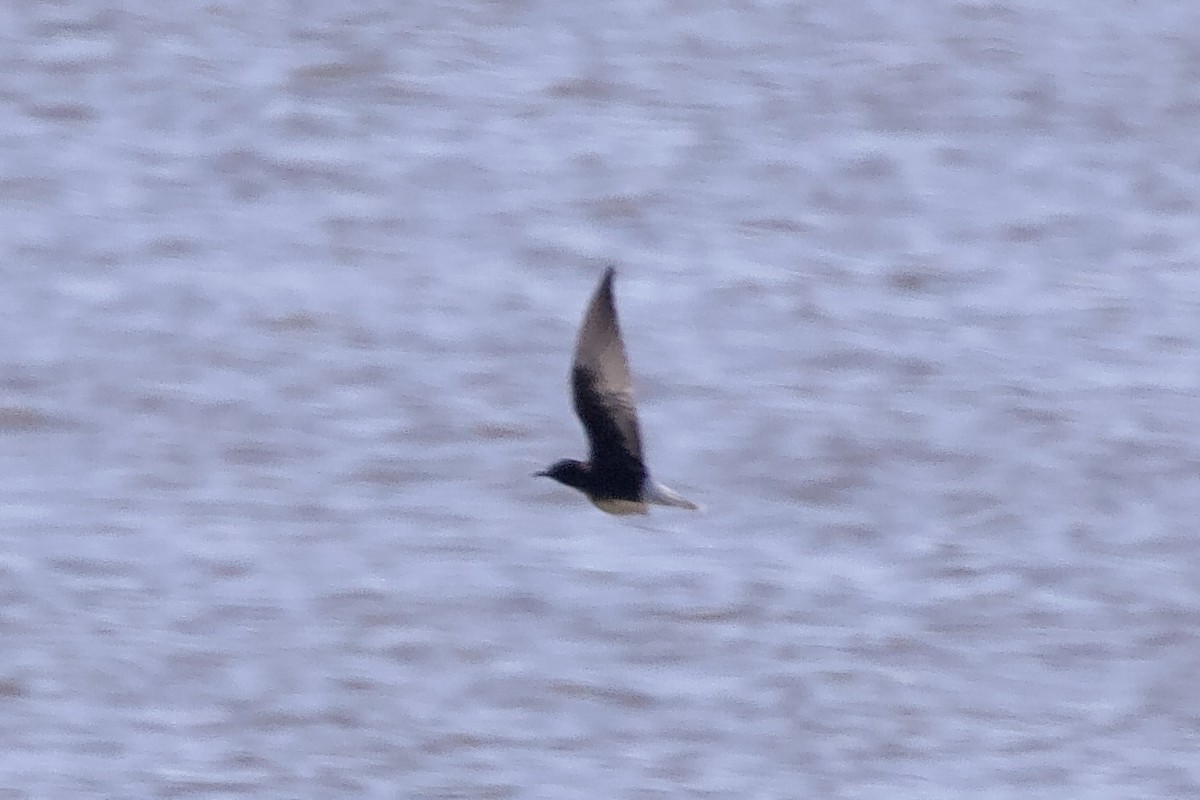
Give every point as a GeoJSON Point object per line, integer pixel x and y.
{"type": "Point", "coordinates": [913, 307]}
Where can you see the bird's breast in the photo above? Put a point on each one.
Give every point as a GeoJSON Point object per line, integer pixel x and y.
{"type": "Point", "coordinates": [620, 506]}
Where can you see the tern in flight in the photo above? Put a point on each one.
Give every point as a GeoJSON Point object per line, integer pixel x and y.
{"type": "Point", "coordinates": [614, 477]}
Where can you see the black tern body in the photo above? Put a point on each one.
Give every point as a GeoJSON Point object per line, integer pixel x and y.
{"type": "Point", "coordinates": [614, 477]}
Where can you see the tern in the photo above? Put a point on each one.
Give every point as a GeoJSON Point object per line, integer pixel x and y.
{"type": "Point", "coordinates": [614, 477]}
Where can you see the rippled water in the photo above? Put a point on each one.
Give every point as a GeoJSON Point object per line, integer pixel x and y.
{"type": "Point", "coordinates": [912, 304]}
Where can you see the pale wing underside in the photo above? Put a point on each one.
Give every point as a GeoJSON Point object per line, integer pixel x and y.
{"type": "Point", "coordinates": [601, 384]}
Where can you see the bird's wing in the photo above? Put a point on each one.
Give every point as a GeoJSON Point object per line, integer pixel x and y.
{"type": "Point", "coordinates": [601, 385]}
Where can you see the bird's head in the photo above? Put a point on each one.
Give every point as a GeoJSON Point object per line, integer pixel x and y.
{"type": "Point", "coordinates": [569, 471]}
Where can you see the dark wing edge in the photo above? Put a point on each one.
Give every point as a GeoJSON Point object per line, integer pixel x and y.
{"type": "Point", "coordinates": [610, 421]}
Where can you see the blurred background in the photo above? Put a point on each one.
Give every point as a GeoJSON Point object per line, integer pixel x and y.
{"type": "Point", "coordinates": [289, 294]}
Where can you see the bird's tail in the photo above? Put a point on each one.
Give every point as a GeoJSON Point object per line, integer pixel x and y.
{"type": "Point", "coordinates": [657, 493]}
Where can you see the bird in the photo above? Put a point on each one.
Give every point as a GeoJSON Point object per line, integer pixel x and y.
{"type": "Point", "coordinates": [614, 477]}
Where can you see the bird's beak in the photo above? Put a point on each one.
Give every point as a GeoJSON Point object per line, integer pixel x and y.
{"type": "Point", "coordinates": [541, 474]}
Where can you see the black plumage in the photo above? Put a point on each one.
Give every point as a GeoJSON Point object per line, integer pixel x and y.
{"type": "Point", "coordinates": [614, 477]}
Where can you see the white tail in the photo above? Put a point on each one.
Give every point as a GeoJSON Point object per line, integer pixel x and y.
{"type": "Point", "coordinates": [660, 495]}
